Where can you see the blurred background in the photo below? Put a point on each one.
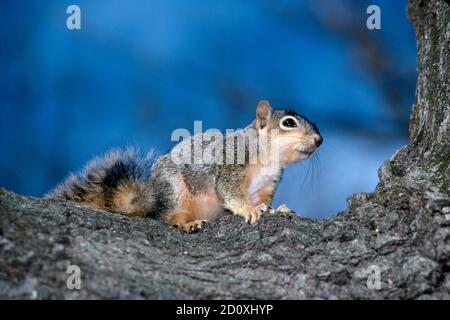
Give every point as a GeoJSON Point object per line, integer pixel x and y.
{"type": "Point", "coordinates": [137, 70]}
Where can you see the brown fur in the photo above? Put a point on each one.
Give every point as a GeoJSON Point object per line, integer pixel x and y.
{"type": "Point", "coordinates": [193, 209]}
{"type": "Point", "coordinates": [124, 198]}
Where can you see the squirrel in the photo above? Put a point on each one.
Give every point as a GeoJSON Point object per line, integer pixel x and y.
{"type": "Point", "coordinates": [188, 195]}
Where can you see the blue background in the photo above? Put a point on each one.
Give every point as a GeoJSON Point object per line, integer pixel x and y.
{"type": "Point", "coordinates": [137, 70]}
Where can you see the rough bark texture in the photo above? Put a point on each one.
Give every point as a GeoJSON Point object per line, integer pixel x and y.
{"type": "Point", "coordinates": [403, 227]}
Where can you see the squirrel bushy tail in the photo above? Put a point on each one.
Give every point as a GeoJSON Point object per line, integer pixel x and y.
{"type": "Point", "coordinates": [118, 181]}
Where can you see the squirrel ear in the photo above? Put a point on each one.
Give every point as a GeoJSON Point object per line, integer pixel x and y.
{"type": "Point", "coordinates": [263, 114]}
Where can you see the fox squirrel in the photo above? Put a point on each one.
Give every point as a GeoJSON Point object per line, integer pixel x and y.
{"type": "Point", "coordinates": [187, 194]}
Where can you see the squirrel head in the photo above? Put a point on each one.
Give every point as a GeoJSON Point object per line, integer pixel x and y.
{"type": "Point", "coordinates": [297, 137]}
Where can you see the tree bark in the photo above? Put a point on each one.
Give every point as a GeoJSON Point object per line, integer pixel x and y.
{"type": "Point", "coordinates": [398, 235]}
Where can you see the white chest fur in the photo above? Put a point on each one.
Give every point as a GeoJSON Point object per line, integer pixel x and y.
{"type": "Point", "coordinates": [262, 181]}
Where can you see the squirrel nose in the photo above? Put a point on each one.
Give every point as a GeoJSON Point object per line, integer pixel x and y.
{"type": "Point", "coordinates": [318, 140]}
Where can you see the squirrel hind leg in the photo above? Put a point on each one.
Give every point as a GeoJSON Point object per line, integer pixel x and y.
{"type": "Point", "coordinates": [194, 211]}
{"type": "Point", "coordinates": [182, 218]}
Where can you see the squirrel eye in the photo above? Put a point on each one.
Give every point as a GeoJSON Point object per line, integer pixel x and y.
{"type": "Point", "coordinates": [289, 123]}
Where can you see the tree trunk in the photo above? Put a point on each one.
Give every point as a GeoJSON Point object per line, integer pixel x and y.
{"type": "Point", "coordinates": [393, 243]}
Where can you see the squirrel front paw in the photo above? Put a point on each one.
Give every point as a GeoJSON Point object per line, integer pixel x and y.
{"type": "Point", "coordinates": [283, 209]}
{"type": "Point", "coordinates": [252, 214]}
